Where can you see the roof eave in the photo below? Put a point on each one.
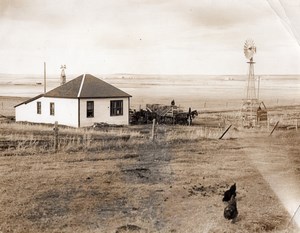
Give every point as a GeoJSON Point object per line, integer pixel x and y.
{"type": "Point", "coordinates": [30, 100]}
{"type": "Point", "coordinates": [104, 97]}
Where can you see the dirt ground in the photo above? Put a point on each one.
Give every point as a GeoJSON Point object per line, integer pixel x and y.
{"type": "Point", "coordinates": [154, 187]}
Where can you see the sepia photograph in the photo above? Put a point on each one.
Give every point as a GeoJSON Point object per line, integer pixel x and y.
{"type": "Point", "coordinates": [145, 116]}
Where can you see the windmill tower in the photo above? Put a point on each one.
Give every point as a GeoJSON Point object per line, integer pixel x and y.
{"type": "Point", "coordinates": [62, 74]}
{"type": "Point", "coordinates": [250, 103]}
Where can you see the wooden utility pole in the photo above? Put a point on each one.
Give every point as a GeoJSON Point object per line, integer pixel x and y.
{"type": "Point", "coordinates": [45, 78]}
{"type": "Point", "coordinates": [258, 86]}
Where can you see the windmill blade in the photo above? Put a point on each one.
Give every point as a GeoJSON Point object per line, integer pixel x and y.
{"type": "Point", "coordinates": [249, 49]}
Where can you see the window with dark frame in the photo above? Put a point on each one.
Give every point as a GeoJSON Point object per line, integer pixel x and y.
{"type": "Point", "coordinates": [116, 107]}
{"type": "Point", "coordinates": [38, 107]}
{"type": "Point", "coordinates": [89, 109]}
{"type": "Point", "coordinates": [52, 109]}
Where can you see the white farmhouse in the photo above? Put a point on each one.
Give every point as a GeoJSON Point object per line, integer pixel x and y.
{"type": "Point", "coordinates": [80, 102]}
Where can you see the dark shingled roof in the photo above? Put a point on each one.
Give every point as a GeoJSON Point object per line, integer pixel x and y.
{"type": "Point", "coordinates": [86, 86]}
{"type": "Point", "coordinates": [68, 90]}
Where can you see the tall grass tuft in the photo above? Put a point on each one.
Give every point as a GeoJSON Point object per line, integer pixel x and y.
{"type": "Point", "coordinates": [184, 133]}
{"type": "Point", "coordinates": [36, 139]}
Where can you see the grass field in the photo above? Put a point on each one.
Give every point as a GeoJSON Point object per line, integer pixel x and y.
{"type": "Point", "coordinates": [121, 184]}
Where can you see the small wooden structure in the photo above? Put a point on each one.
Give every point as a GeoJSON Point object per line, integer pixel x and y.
{"type": "Point", "coordinates": [254, 114]}
{"type": "Point", "coordinates": [261, 113]}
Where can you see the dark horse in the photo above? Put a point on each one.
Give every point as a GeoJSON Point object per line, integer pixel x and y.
{"type": "Point", "coordinates": [184, 117]}
{"type": "Point", "coordinates": [141, 117]}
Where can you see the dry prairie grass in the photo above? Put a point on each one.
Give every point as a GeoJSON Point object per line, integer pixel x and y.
{"type": "Point", "coordinates": [174, 184]}
{"type": "Point", "coordinates": [121, 184]}
{"type": "Point", "coordinates": [39, 138]}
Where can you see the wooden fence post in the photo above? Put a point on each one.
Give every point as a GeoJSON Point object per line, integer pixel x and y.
{"type": "Point", "coordinates": [153, 130]}
{"type": "Point", "coordinates": [56, 136]}
{"type": "Point", "coordinates": [89, 138]}
{"type": "Point", "coordinates": [86, 140]}
{"type": "Point", "coordinates": [189, 116]}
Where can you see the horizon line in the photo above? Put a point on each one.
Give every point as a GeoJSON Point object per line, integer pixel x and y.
{"type": "Point", "coordinates": [150, 74]}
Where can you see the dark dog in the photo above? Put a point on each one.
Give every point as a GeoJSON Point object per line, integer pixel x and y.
{"type": "Point", "coordinates": [229, 193]}
{"type": "Point", "coordinates": [230, 211]}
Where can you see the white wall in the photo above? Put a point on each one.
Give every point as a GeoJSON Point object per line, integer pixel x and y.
{"type": "Point", "coordinates": [102, 112]}
{"type": "Point", "coordinates": [66, 111]}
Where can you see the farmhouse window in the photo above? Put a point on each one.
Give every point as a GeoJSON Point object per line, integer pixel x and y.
{"type": "Point", "coordinates": [38, 107]}
{"type": "Point", "coordinates": [90, 109]}
{"type": "Point", "coordinates": [52, 109]}
{"type": "Point", "coordinates": [116, 107]}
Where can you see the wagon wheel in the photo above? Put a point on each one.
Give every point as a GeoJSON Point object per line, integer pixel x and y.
{"type": "Point", "coordinates": [168, 120]}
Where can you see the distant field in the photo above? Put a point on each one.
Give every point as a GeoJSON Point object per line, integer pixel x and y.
{"type": "Point", "coordinates": [196, 91]}
{"type": "Point", "coordinates": [7, 104]}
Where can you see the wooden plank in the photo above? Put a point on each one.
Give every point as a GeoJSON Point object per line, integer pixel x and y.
{"type": "Point", "coordinates": [274, 128]}
{"type": "Point", "coordinates": [225, 132]}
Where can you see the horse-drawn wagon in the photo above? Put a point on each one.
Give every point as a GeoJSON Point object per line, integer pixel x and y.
{"type": "Point", "coordinates": [163, 114]}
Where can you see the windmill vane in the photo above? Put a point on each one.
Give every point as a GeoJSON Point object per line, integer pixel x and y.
{"type": "Point", "coordinates": [249, 49]}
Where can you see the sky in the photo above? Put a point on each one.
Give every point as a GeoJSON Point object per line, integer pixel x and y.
{"type": "Point", "coordinates": [148, 36]}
